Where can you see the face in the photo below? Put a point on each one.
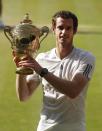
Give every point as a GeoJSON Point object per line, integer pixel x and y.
{"type": "Point", "coordinates": [64, 32]}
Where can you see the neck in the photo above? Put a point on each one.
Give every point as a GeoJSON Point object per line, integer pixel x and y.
{"type": "Point", "coordinates": [63, 52]}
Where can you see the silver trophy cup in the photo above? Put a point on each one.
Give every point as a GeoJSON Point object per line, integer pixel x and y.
{"type": "Point", "coordinates": [25, 39]}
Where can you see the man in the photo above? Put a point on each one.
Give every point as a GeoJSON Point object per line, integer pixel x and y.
{"type": "Point", "coordinates": [65, 72]}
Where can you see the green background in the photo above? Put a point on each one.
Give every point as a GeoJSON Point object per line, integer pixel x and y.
{"type": "Point", "coordinates": [17, 116]}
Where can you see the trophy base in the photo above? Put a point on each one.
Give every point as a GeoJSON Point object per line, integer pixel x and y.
{"type": "Point", "coordinates": [24, 71]}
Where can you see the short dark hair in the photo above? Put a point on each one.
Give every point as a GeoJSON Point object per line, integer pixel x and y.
{"type": "Point", "coordinates": [66, 15]}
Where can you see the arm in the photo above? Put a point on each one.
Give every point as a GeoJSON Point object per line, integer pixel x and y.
{"type": "Point", "coordinates": [69, 88]}
{"type": "Point", "coordinates": [25, 87]}
{"type": "Point", "coordinates": [80, 78]}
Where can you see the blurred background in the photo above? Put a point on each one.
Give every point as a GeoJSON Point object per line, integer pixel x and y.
{"type": "Point", "coordinates": [17, 116]}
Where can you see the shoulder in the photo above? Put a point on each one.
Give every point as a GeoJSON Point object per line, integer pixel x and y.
{"type": "Point", "coordinates": [85, 55]}
{"type": "Point", "coordinates": [85, 62]}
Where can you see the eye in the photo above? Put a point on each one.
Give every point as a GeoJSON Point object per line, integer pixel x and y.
{"type": "Point", "coordinates": [69, 28]}
{"type": "Point", "coordinates": [60, 27]}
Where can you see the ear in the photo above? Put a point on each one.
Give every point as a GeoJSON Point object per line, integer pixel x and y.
{"type": "Point", "coordinates": [76, 30]}
{"type": "Point", "coordinates": [53, 26]}
{"type": "Point", "coordinates": [53, 29]}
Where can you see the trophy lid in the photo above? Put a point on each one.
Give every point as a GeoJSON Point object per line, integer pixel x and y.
{"type": "Point", "coordinates": [26, 19]}
{"type": "Point", "coordinates": [25, 28]}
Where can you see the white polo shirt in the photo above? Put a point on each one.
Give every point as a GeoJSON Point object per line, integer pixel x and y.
{"type": "Point", "coordinates": [59, 112]}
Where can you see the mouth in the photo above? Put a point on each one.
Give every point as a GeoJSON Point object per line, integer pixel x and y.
{"type": "Point", "coordinates": [63, 39]}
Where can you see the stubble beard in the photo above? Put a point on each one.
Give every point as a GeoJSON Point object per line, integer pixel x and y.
{"type": "Point", "coordinates": [65, 44]}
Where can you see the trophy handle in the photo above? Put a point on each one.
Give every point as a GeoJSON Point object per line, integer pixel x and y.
{"type": "Point", "coordinates": [8, 34]}
{"type": "Point", "coordinates": [44, 33]}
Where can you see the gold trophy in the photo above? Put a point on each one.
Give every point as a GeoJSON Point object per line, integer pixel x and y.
{"type": "Point", "coordinates": [25, 39]}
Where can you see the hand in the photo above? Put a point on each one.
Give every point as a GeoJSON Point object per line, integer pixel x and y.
{"type": "Point", "coordinates": [16, 59]}
{"type": "Point", "coordinates": [27, 61]}
{"type": "Point", "coordinates": [31, 63]}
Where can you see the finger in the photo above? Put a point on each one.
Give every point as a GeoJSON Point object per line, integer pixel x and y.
{"type": "Point", "coordinates": [13, 53]}
{"type": "Point", "coordinates": [16, 60]}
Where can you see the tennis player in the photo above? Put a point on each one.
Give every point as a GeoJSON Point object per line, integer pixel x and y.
{"type": "Point", "coordinates": [65, 72]}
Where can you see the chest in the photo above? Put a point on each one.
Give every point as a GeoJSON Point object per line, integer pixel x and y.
{"type": "Point", "coordinates": [62, 68]}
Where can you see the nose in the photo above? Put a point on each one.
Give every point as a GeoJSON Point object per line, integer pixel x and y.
{"type": "Point", "coordinates": [64, 31]}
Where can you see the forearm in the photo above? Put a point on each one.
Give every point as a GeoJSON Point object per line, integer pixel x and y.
{"type": "Point", "coordinates": [60, 84]}
{"type": "Point", "coordinates": [21, 87]}
{"type": "Point", "coordinates": [69, 88]}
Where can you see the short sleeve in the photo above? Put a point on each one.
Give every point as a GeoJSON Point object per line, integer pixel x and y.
{"type": "Point", "coordinates": [34, 77]}
{"type": "Point", "coordinates": [86, 66]}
